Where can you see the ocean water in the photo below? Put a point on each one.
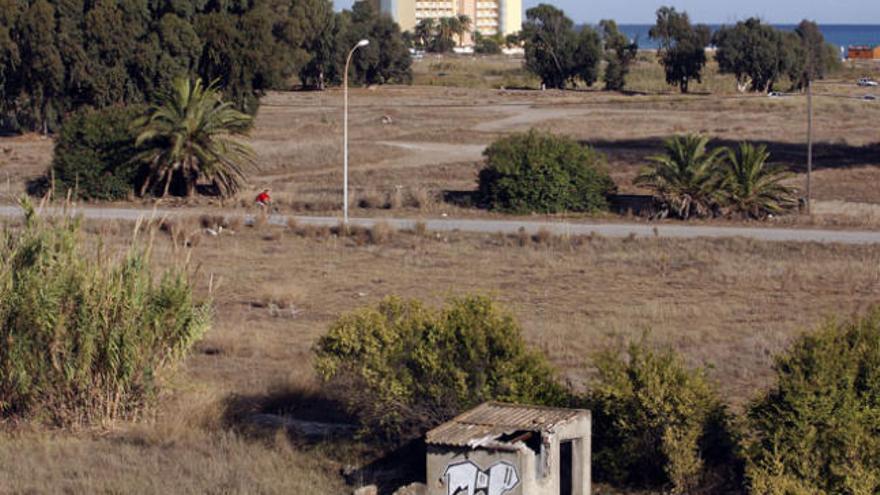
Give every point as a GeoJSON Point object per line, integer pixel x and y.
{"type": "Point", "coordinates": [841, 35]}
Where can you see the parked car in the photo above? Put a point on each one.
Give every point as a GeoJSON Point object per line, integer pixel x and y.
{"type": "Point", "coordinates": [866, 82]}
{"type": "Point", "coordinates": [869, 97]}
{"type": "Point", "coordinates": [775, 94]}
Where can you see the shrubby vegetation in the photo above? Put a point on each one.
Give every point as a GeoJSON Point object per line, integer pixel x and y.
{"type": "Point", "coordinates": [656, 423]}
{"type": "Point", "coordinates": [86, 337]}
{"type": "Point", "coordinates": [487, 45]}
{"type": "Point", "coordinates": [816, 430]}
{"type": "Point", "coordinates": [539, 172]}
{"type": "Point", "coordinates": [57, 56]}
{"type": "Point", "coordinates": [403, 368]}
{"type": "Point", "coordinates": [557, 53]}
{"type": "Point", "coordinates": [691, 181]}
{"type": "Point", "coordinates": [95, 154]}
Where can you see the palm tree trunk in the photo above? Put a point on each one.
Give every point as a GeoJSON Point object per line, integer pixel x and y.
{"type": "Point", "coordinates": [168, 176]}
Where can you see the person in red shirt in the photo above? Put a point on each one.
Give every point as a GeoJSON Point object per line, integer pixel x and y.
{"type": "Point", "coordinates": [264, 200]}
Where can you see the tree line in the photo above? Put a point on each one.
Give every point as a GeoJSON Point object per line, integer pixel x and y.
{"type": "Point", "coordinates": [757, 54]}
{"type": "Point", "coordinates": [60, 55]}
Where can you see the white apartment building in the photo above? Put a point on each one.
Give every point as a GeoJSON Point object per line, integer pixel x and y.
{"type": "Point", "coordinates": [489, 17]}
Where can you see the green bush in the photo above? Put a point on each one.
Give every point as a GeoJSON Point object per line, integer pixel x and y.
{"type": "Point", "coordinates": [94, 154]}
{"type": "Point", "coordinates": [403, 368]}
{"type": "Point", "coordinates": [86, 338]}
{"type": "Point", "coordinates": [540, 172]}
{"type": "Point", "coordinates": [656, 423]}
{"type": "Point", "coordinates": [817, 430]}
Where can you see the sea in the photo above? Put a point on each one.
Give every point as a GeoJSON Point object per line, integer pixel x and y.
{"type": "Point", "coordinates": [841, 35]}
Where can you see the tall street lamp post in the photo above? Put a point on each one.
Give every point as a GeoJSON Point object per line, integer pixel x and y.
{"type": "Point", "coordinates": [360, 44]}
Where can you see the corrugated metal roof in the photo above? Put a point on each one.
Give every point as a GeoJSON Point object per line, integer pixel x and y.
{"type": "Point", "coordinates": [484, 424]}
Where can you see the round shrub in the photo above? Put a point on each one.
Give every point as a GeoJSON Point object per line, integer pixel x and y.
{"type": "Point", "coordinates": [402, 368]}
{"type": "Point", "coordinates": [94, 154]}
{"type": "Point", "coordinates": [817, 430]}
{"type": "Point", "coordinates": [656, 423]}
{"type": "Point", "coordinates": [86, 338]}
{"type": "Point", "coordinates": [541, 173]}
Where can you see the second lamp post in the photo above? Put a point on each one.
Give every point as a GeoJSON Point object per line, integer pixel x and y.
{"type": "Point", "coordinates": [360, 44]}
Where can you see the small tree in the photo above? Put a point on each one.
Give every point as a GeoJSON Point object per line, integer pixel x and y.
{"type": "Point", "coordinates": [686, 179]}
{"type": "Point", "coordinates": [620, 53]}
{"type": "Point", "coordinates": [816, 430]}
{"type": "Point", "coordinates": [682, 47]}
{"type": "Point", "coordinates": [752, 188]}
{"type": "Point", "coordinates": [656, 424]}
{"type": "Point", "coordinates": [189, 134]}
{"type": "Point", "coordinates": [486, 45]}
{"type": "Point", "coordinates": [403, 368]}
{"type": "Point", "coordinates": [537, 172]}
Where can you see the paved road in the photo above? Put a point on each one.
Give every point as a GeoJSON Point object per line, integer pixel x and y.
{"type": "Point", "coordinates": [512, 226]}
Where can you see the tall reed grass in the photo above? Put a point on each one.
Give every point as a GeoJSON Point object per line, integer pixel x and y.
{"type": "Point", "coordinates": [86, 337]}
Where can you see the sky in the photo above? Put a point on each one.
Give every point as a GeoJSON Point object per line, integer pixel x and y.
{"type": "Point", "coordinates": [715, 11]}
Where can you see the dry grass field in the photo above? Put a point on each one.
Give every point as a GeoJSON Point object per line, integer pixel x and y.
{"type": "Point", "coordinates": [728, 305]}
{"type": "Point", "coordinates": [412, 145]}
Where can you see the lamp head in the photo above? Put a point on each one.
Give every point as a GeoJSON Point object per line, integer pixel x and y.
{"type": "Point", "coordinates": [363, 43]}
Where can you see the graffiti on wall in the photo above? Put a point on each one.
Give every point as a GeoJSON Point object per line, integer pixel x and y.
{"type": "Point", "coordinates": [466, 478]}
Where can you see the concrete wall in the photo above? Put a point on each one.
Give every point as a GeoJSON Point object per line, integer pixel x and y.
{"type": "Point", "coordinates": [536, 474]}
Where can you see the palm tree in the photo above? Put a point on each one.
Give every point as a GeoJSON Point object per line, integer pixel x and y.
{"type": "Point", "coordinates": [751, 187]}
{"type": "Point", "coordinates": [686, 178]}
{"type": "Point", "coordinates": [188, 135]}
{"type": "Point", "coordinates": [447, 29]}
{"type": "Point", "coordinates": [464, 26]}
{"type": "Point", "coordinates": [425, 31]}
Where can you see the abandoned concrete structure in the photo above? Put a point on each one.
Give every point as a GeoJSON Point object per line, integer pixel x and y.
{"type": "Point", "coordinates": [505, 449]}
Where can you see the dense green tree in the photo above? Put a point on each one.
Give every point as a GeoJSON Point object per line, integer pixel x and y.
{"type": "Point", "coordinates": [386, 59]}
{"type": "Point", "coordinates": [620, 53]}
{"type": "Point", "coordinates": [755, 53]}
{"type": "Point", "coordinates": [811, 57]}
{"type": "Point", "coordinates": [682, 47]}
{"type": "Point", "coordinates": [555, 52]}
{"type": "Point", "coordinates": [191, 133]}
{"type": "Point", "coordinates": [319, 27]}
{"type": "Point", "coordinates": [60, 55]}
{"type": "Point", "coordinates": [41, 74]}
